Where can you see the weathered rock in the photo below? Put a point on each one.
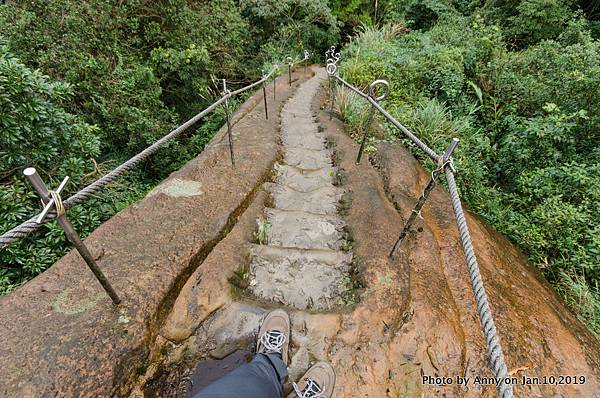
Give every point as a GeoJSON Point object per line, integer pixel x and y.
{"type": "Point", "coordinates": [234, 329]}
{"type": "Point", "coordinates": [304, 230]}
{"type": "Point", "coordinates": [304, 180]}
{"type": "Point", "coordinates": [299, 278]}
{"type": "Point", "coordinates": [319, 201]}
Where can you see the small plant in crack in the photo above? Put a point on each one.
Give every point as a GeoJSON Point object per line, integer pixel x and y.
{"type": "Point", "coordinates": [371, 146]}
{"type": "Point", "coordinates": [339, 178]}
{"type": "Point", "coordinates": [330, 142]}
{"type": "Point", "coordinates": [240, 279]}
{"type": "Point", "coordinates": [348, 241]}
{"type": "Point", "coordinates": [345, 203]}
{"type": "Point", "coordinates": [352, 284]}
{"type": "Point", "coordinates": [261, 234]}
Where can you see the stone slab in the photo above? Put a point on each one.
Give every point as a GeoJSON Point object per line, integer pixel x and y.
{"type": "Point", "coordinates": [320, 201]}
{"type": "Point", "coordinates": [308, 159]}
{"type": "Point", "coordinates": [304, 230]}
{"type": "Point", "coordinates": [304, 180]}
{"type": "Point", "coordinates": [303, 279]}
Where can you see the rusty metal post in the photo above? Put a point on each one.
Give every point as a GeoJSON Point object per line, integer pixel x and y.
{"type": "Point", "coordinates": [264, 87]}
{"type": "Point", "coordinates": [289, 62]}
{"type": "Point", "coordinates": [265, 99]}
{"type": "Point", "coordinates": [227, 119]}
{"type": "Point", "coordinates": [53, 199]}
{"type": "Point", "coordinates": [373, 95]}
{"type": "Point", "coordinates": [275, 86]}
{"type": "Point", "coordinates": [365, 134]}
{"type": "Point", "coordinates": [444, 160]}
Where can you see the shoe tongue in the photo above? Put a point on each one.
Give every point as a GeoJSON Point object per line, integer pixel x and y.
{"type": "Point", "coordinates": [273, 341]}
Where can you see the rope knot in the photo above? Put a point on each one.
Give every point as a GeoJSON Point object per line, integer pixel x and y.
{"type": "Point", "coordinates": [58, 203]}
{"type": "Point", "coordinates": [442, 166]}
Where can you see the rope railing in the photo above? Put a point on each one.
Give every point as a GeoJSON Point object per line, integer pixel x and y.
{"type": "Point", "coordinates": [446, 166]}
{"type": "Point", "coordinates": [55, 207]}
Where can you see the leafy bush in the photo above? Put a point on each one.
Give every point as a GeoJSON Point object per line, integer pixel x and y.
{"type": "Point", "coordinates": [120, 77]}
{"type": "Point", "coordinates": [537, 20]}
{"type": "Point", "coordinates": [528, 121]}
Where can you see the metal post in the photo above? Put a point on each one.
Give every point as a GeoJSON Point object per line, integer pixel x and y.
{"type": "Point", "coordinates": [365, 134]}
{"type": "Point", "coordinates": [306, 55]}
{"type": "Point", "coordinates": [426, 191]}
{"type": "Point", "coordinates": [331, 59]}
{"type": "Point", "coordinates": [265, 99]}
{"type": "Point", "coordinates": [227, 119]}
{"type": "Point", "coordinates": [373, 95]}
{"type": "Point", "coordinates": [264, 87]}
{"type": "Point", "coordinates": [331, 97]}
{"type": "Point", "coordinates": [289, 62]}
{"type": "Point", "coordinates": [41, 189]}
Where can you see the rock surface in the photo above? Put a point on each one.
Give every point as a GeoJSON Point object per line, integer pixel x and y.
{"type": "Point", "coordinates": [60, 336]}
{"type": "Point", "coordinates": [416, 316]}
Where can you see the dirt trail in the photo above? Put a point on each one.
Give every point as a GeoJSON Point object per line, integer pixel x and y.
{"type": "Point", "coordinates": [326, 230]}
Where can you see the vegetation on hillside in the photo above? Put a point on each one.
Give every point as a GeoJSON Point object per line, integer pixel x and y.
{"type": "Point", "coordinates": [517, 82]}
{"type": "Point", "coordinates": [85, 85]}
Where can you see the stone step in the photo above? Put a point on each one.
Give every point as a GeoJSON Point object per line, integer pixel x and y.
{"type": "Point", "coordinates": [308, 159]}
{"type": "Point", "coordinates": [304, 180]}
{"type": "Point", "coordinates": [305, 279]}
{"type": "Point", "coordinates": [320, 201]}
{"type": "Point", "coordinates": [304, 230]}
{"type": "Point", "coordinates": [306, 141]}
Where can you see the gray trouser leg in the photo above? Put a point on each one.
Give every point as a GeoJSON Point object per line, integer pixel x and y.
{"type": "Point", "coordinates": [261, 378]}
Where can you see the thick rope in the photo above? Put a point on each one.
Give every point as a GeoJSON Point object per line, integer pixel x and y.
{"type": "Point", "coordinates": [29, 226]}
{"type": "Point", "coordinates": [496, 357]}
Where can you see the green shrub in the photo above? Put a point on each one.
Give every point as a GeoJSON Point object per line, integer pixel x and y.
{"type": "Point", "coordinates": [529, 156]}
{"type": "Point", "coordinates": [120, 77]}
{"type": "Point", "coordinates": [36, 130]}
{"type": "Point", "coordinates": [537, 20]}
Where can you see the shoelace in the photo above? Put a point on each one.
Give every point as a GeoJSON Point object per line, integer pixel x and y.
{"type": "Point", "coordinates": [272, 340]}
{"type": "Point", "coordinates": [312, 390]}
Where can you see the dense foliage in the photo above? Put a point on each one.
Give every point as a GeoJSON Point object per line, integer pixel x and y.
{"type": "Point", "coordinates": [517, 82]}
{"type": "Point", "coordinates": [85, 85]}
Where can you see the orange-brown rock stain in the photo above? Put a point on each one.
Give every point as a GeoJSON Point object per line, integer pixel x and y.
{"type": "Point", "coordinates": [417, 315]}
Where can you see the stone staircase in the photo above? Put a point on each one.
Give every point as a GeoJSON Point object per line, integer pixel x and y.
{"type": "Point", "coordinates": [303, 264]}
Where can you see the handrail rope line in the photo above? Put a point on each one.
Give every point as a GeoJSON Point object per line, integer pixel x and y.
{"type": "Point", "coordinates": [430, 152]}
{"type": "Point", "coordinates": [29, 226]}
{"type": "Point", "coordinates": [496, 356]}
